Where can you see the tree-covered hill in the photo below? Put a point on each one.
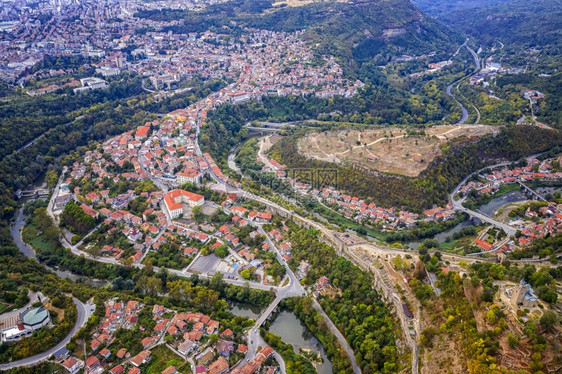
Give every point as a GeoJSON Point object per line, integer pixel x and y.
{"type": "Point", "coordinates": [359, 32]}
{"type": "Point", "coordinates": [437, 8]}
{"type": "Point", "coordinates": [433, 185]}
{"type": "Point", "coordinates": [516, 22]}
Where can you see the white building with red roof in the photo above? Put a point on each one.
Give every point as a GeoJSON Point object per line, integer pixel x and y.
{"type": "Point", "coordinates": [173, 201]}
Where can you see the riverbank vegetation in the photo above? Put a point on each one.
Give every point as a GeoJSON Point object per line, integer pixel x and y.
{"type": "Point", "coordinates": [357, 309]}
{"type": "Point", "coordinates": [294, 362]}
{"type": "Point", "coordinates": [314, 321]}
{"type": "Point", "coordinates": [475, 201]}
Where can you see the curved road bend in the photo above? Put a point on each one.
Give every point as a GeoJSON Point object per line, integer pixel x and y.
{"type": "Point", "coordinates": [464, 116]}
{"type": "Point", "coordinates": [294, 288]}
{"type": "Point", "coordinates": [457, 204]}
{"type": "Point", "coordinates": [392, 297]}
{"type": "Point", "coordinates": [81, 318]}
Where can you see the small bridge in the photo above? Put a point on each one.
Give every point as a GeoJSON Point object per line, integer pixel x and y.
{"type": "Point", "coordinates": [531, 191]}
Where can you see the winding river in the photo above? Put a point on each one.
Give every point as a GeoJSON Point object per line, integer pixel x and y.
{"type": "Point", "coordinates": [15, 232]}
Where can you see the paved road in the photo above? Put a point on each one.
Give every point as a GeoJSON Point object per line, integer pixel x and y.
{"type": "Point", "coordinates": [392, 296]}
{"type": "Point", "coordinates": [464, 116]}
{"type": "Point", "coordinates": [54, 196]}
{"type": "Point", "coordinates": [334, 329]}
{"type": "Point", "coordinates": [477, 64]}
{"type": "Point", "coordinates": [82, 317]}
{"type": "Point", "coordinates": [457, 205]}
{"type": "Point", "coordinates": [33, 298]}
{"type": "Point", "coordinates": [294, 288]}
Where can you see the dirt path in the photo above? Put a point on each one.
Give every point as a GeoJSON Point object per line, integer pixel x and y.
{"type": "Point", "coordinates": [387, 150]}
{"type": "Point", "coordinates": [503, 213]}
{"type": "Point", "coordinates": [370, 144]}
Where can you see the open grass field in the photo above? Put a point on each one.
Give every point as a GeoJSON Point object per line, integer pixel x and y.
{"type": "Point", "coordinates": [389, 150]}
{"type": "Point", "coordinates": [37, 241]}
{"type": "Point", "coordinates": [162, 357]}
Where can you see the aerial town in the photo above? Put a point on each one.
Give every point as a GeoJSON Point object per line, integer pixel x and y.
{"type": "Point", "coordinates": [161, 209]}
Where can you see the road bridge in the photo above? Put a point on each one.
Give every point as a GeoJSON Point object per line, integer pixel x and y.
{"type": "Point", "coordinates": [504, 226]}
{"type": "Point", "coordinates": [531, 191]}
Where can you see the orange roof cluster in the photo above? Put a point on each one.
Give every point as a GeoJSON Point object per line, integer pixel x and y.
{"type": "Point", "coordinates": [142, 131]}
{"type": "Point", "coordinates": [482, 244]}
{"type": "Point", "coordinates": [170, 198]}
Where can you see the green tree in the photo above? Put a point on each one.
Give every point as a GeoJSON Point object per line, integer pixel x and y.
{"type": "Point", "coordinates": [51, 178]}
{"type": "Point", "coordinates": [549, 319]}
{"type": "Point", "coordinates": [512, 340]}
{"type": "Point", "coordinates": [245, 274]}
{"type": "Point", "coordinates": [221, 251]}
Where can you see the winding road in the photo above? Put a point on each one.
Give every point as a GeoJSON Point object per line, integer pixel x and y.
{"type": "Point", "coordinates": [477, 64]}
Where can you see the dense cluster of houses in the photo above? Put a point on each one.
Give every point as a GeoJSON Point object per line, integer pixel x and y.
{"type": "Point", "coordinates": [534, 170]}
{"type": "Point", "coordinates": [277, 63]}
{"type": "Point", "coordinates": [356, 208]}
{"type": "Point", "coordinates": [118, 315]}
{"type": "Point", "coordinates": [247, 256]}
{"type": "Point", "coordinates": [549, 223]}
{"type": "Point", "coordinates": [160, 221]}
{"type": "Point", "coordinates": [187, 332]}
{"type": "Point", "coordinates": [255, 364]}
{"type": "Point", "coordinates": [284, 245]}
{"type": "Point", "coordinates": [547, 220]}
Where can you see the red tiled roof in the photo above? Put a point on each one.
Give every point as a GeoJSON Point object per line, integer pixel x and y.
{"type": "Point", "coordinates": [170, 198]}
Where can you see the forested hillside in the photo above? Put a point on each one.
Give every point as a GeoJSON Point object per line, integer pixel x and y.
{"type": "Point", "coordinates": [374, 105]}
{"type": "Point", "coordinates": [362, 34]}
{"type": "Point", "coordinates": [516, 22]}
{"type": "Point", "coordinates": [438, 8]}
{"type": "Point", "coordinates": [442, 175]}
